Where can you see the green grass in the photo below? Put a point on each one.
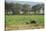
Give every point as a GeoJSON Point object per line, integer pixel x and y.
{"type": "Point", "coordinates": [21, 19]}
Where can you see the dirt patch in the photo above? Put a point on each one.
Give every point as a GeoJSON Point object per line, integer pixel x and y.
{"type": "Point", "coordinates": [22, 27]}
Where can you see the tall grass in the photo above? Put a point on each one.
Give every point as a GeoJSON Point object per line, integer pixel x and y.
{"type": "Point", "coordinates": [21, 19]}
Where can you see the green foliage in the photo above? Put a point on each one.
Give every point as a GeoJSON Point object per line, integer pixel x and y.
{"type": "Point", "coordinates": [22, 19]}
{"type": "Point", "coordinates": [26, 7]}
{"type": "Point", "coordinates": [17, 7]}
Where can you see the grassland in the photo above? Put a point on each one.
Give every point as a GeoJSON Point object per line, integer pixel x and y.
{"type": "Point", "coordinates": [20, 20]}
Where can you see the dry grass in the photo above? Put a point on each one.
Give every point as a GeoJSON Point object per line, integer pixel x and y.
{"type": "Point", "coordinates": [22, 27]}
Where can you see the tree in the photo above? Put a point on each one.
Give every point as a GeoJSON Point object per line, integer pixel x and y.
{"type": "Point", "coordinates": [17, 7]}
{"type": "Point", "coordinates": [8, 7]}
{"type": "Point", "coordinates": [37, 7]}
{"type": "Point", "coordinates": [26, 7]}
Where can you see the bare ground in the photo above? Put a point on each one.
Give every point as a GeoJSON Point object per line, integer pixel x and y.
{"type": "Point", "coordinates": [22, 27]}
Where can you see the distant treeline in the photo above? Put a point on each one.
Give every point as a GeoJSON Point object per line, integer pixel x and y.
{"type": "Point", "coordinates": [23, 9]}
